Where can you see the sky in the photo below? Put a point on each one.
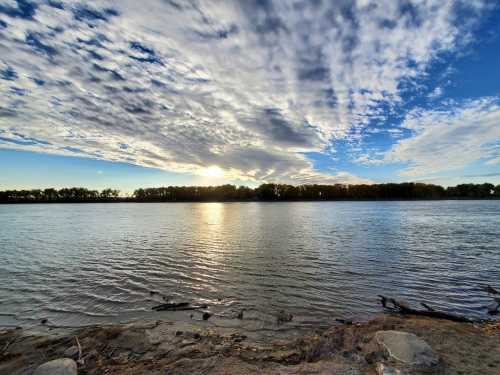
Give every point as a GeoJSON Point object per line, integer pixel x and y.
{"type": "Point", "coordinates": [129, 94]}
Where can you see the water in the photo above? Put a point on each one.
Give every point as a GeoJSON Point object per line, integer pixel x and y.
{"type": "Point", "coordinates": [96, 263]}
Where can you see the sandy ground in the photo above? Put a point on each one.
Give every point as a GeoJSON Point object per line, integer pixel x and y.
{"type": "Point", "coordinates": [165, 348]}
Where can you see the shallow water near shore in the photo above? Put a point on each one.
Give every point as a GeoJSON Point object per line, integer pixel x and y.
{"type": "Point", "coordinates": [82, 264]}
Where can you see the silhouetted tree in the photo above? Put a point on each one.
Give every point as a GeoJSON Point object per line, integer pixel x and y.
{"type": "Point", "coordinates": [265, 192]}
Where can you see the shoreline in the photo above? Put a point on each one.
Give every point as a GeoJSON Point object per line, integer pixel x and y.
{"type": "Point", "coordinates": [126, 200]}
{"type": "Point", "coordinates": [165, 347]}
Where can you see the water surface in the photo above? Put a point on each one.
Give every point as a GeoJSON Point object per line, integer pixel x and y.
{"type": "Point", "coordinates": [79, 264]}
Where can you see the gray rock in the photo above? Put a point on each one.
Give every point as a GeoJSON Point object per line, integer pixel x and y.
{"type": "Point", "coordinates": [62, 366]}
{"type": "Point", "coordinates": [407, 348]}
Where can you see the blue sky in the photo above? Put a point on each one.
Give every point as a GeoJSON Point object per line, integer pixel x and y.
{"type": "Point", "coordinates": [127, 94]}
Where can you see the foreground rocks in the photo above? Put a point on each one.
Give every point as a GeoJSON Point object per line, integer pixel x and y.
{"type": "Point", "coordinates": [63, 366]}
{"type": "Point", "coordinates": [386, 345]}
{"type": "Point", "coordinates": [405, 353]}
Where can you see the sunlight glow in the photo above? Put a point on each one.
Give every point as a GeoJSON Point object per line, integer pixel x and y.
{"type": "Point", "coordinates": [212, 171]}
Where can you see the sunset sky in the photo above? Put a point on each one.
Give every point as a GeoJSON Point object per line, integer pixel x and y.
{"type": "Point", "coordinates": [146, 93]}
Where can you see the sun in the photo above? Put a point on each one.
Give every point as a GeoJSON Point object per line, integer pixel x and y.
{"type": "Point", "coordinates": [212, 171]}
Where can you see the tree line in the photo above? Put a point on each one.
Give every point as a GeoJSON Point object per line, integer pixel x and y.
{"type": "Point", "coordinates": [265, 192]}
{"type": "Point", "coordinates": [75, 194]}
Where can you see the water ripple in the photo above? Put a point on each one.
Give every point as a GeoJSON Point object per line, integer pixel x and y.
{"type": "Point", "coordinates": [97, 263]}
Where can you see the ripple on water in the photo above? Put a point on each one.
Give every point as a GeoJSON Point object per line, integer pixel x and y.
{"type": "Point", "coordinates": [96, 263]}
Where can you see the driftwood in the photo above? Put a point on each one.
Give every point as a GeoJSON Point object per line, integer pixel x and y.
{"type": "Point", "coordinates": [402, 308]}
{"type": "Point", "coordinates": [181, 306]}
{"type": "Point", "coordinates": [490, 290]}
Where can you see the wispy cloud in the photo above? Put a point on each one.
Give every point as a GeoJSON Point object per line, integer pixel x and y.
{"type": "Point", "coordinates": [449, 138]}
{"type": "Point", "coordinates": [248, 86]}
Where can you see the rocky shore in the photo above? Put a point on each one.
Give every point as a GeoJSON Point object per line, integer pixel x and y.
{"type": "Point", "coordinates": [389, 344]}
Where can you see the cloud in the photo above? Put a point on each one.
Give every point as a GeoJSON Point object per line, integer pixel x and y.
{"type": "Point", "coordinates": [449, 138]}
{"type": "Point", "coordinates": [483, 175]}
{"type": "Point", "coordinates": [436, 93]}
{"type": "Point", "coordinates": [181, 85]}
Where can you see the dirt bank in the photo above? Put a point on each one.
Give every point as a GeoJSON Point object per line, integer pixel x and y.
{"type": "Point", "coordinates": [165, 348]}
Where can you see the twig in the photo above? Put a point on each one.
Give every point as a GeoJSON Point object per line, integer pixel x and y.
{"type": "Point", "coordinates": [79, 351]}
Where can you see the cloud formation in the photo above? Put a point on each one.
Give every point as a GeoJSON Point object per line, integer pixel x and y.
{"type": "Point", "coordinates": [248, 86]}
{"type": "Point", "coordinates": [449, 138]}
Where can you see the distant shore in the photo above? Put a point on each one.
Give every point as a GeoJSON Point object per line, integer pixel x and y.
{"type": "Point", "coordinates": [406, 191]}
{"type": "Point", "coordinates": [252, 201]}
{"type": "Point", "coordinates": [162, 347]}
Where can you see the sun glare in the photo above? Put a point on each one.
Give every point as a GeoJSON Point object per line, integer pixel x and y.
{"type": "Point", "coordinates": [212, 171]}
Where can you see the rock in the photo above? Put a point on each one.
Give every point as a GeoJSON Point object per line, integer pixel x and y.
{"type": "Point", "coordinates": [407, 348]}
{"type": "Point", "coordinates": [71, 352]}
{"type": "Point", "coordinates": [206, 316]}
{"type": "Point", "coordinates": [283, 317]}
{"type": "Point", "coordinates": [62, 366]}
{"type": "Point", "coordinates": [131, 341]}
{"type": "Point", "coordinates": [493, 308]}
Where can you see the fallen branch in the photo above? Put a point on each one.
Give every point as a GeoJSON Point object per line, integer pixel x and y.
{"type": "Point", "coordinates": [402, 308]}
{"type": "Point", "coordinates": [182, 306]}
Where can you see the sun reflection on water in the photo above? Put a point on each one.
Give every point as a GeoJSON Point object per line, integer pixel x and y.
{"type": "Point", "coordinates": [212, 213]}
